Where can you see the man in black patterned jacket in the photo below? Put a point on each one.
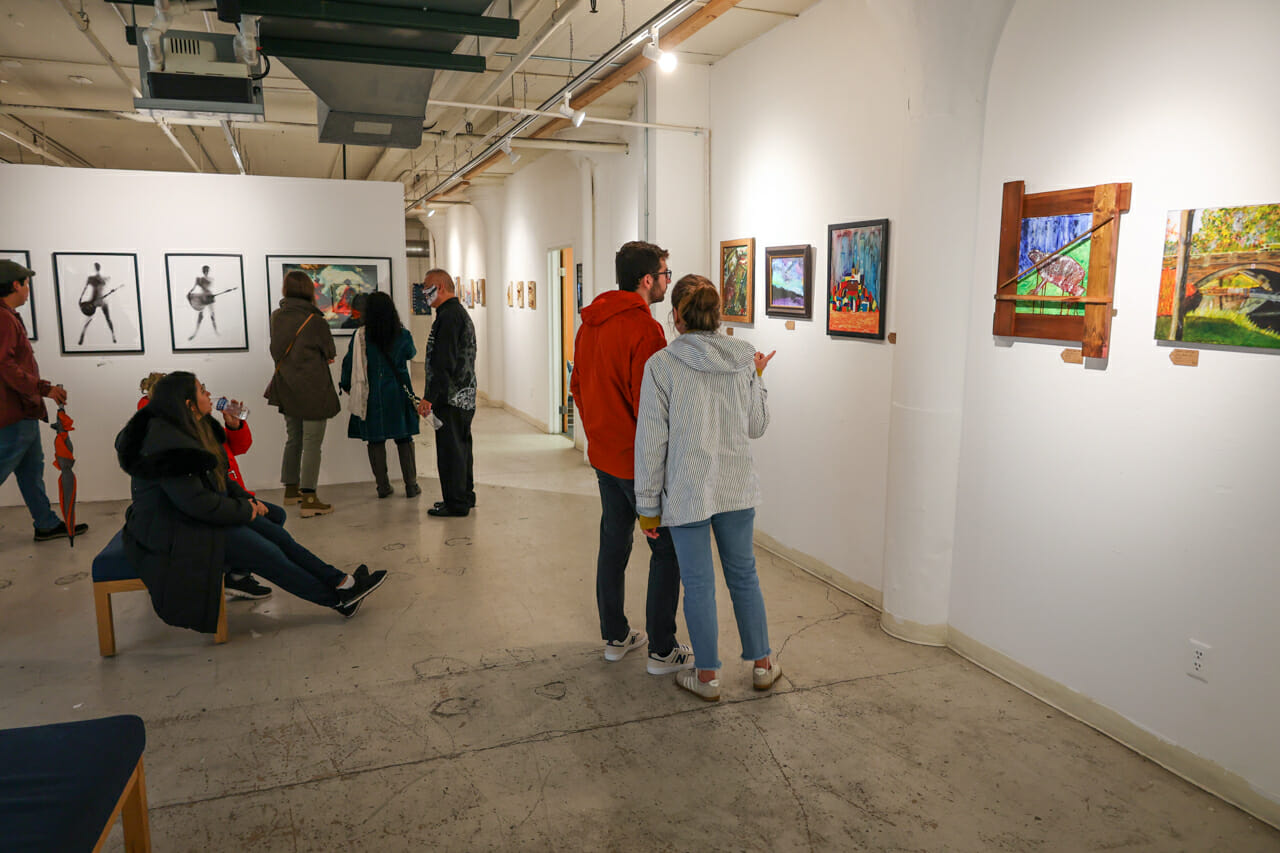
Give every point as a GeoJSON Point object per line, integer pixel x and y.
{"type": "Point", "coordinates": [450, 394]}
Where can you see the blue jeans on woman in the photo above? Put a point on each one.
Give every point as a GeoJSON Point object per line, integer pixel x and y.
{"type": "Point", "coordinates": [264, 548]}
{"type": "Point", "coordinates": [733, 532]}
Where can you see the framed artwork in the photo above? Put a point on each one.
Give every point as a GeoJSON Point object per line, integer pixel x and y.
{"type": "Point", "coordinates": [857, 273]}
{"type": "Point", "coordinates": [468, 293]}
{"type": "Point", "coordinates": [511, 294]}
{"type": "Point", "coordinates": [788, 272]}
{"type": "Point", "coordinates": [338, 281]}
{"type": "Point", "coordinates": [99, 306]}
{"type": "Point", "coordinates": [483, 297]}
{"type": "Point", "coordinates": [418, 300]}
{"type": "Point", "coordinates": [737, 280]}
{"type": "Point", "coordinates": [577, 287]}
{"type": "Point", "coordinates": [206, 302]}
{"type": "Point", "coordinates": [1056, 269]}
{"type": "Point", "coordinates": [27, 311]}
{"type": "Point", "coordinates": [1220, 280]}
{"type": "Point", "coordinates": [519, 294]}
{"type": "Point", "coordinates": [533, 294]}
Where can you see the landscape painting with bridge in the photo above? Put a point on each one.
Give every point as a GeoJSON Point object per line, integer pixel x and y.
{"type": "Point", "coordinates": [1220, 281]}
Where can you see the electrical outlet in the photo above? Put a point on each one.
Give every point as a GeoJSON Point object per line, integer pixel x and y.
{"type": "Point", "coordinates": [1198, 662]}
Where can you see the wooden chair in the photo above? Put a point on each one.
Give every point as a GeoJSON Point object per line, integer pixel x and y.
{"type": "Point", "coordinates": [62, 786]}
{"type": "Point", "coordinates": [113, 573]}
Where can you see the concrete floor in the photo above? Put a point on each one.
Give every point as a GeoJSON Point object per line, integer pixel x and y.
{"type": "Point", "coordinates": [467, 706]}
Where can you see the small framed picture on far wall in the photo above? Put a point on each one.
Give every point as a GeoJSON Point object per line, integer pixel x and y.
{"type": "Point", "coordinates": [788, 272]}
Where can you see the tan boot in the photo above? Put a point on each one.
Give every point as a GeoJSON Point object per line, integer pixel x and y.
{"type": "Point", "coordinates": [291, 493]}
{"type": "Point", "coordinates": [312, 505]}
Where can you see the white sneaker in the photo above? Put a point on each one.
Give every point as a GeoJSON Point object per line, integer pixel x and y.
{"type": "Point", "coordinates": [680, 657]}
{"type": "Point", "coordinates": [616, 650]}
{"type": "Point", "coordinates": [762, 679]}
{"type": "Point", "coordinates": [708, 690]}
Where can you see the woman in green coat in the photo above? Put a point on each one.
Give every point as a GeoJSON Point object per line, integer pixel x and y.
{"type": "Point", "coordinates": [375, 372]}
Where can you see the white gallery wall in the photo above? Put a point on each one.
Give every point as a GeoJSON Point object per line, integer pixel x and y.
{"type": "Point", "coordinates": [789, 157]}
{"type": "Point", "coordinates": [1107, 516]}
{"type": "Point", "coordinates": [151, 213]}
{"type": "Point", "coordinates": [460, 246]}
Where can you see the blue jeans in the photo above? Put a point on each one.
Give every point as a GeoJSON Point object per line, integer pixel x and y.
{"type": "Point", "coordinates": [266, 549]}
{"type": "Point", "coordinates": [733, 539]}
{"type": "Point", "coordinates": [617, 533]}
{"type": "Point", "coordinates": [22, 455]}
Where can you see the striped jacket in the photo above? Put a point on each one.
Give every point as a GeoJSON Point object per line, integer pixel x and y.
{"type": "Point", "coordinates": [700, 402]}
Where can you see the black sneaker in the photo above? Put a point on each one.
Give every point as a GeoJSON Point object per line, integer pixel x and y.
{"type": "Point", "coordinates": [245, 587]}
{"type": "Point", "coordinates": [365, 583]}
{"type": "Point", "coordinates": [44, 534]}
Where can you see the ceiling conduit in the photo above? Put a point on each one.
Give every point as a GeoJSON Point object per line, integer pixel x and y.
{"type": "Point", "coordinates": [638, 35]}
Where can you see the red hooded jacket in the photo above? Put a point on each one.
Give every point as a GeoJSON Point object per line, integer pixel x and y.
{"type": "Point", "coordinates": [617, 336]}
{"type": "Point", "coordinates": [238, 441]}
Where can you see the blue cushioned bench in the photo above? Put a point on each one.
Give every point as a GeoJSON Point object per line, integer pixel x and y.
{"type": "Point", "coordinates": [63, 785]}
{"type": "Point", "coordinates": [112, 573]}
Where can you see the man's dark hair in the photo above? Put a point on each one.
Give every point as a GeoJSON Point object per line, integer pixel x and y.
{"type": "Point", "coordinates": [635, 260]}
{"type": "Point", "coordinates": [6, 287]}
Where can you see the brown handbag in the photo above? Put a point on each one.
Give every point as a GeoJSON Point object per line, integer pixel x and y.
{"type": "Point", "coordinates": [270, 384]}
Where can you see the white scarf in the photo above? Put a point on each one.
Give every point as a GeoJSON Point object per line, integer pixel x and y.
{"type": "Point", "coordinates": [358, 400]}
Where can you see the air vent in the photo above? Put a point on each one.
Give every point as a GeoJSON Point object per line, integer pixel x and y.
{"type": "Point", "coordinates": [182, 46]}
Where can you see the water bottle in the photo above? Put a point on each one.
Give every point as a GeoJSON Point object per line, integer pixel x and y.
{"type": "Point", "coordinates": [231, 407]}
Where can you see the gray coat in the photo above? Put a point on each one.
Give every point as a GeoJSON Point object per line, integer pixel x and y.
{"type": "Point", "coordinates": [303, 386]}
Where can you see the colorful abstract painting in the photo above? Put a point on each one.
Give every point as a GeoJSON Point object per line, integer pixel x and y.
{"type": "Point", "coordinates": [1066, 274]}
{"type": "Point", "coordinates": [1220, 280]}
{"type": "Point", "coordinates": [789, 281]}
{"type": "Point", "coordinates": [857, 272]}
{"type": "Point", "coordinates": [338, 281]}
{"type": "Point", "coordinates": [737, 280]}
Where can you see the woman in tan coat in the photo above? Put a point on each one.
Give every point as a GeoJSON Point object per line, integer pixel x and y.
{"type": "Point", "coordinates": [302, 389]}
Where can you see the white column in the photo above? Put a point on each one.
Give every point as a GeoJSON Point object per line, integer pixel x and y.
{"type": "Point", "coordinates": [490, 203]}
{"type": "Point", "coordinates": [949, 45]}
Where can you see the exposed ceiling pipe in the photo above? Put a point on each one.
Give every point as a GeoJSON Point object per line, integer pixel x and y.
{"type": "Point", "coordinates": [448, 84]}
{"type": "Point", "coordinates": [235, 151]}
{"type": "Point", "coordinates": [208, 158]}
{"type": "Point", "coordinates": [686, 128]}
{"type": "Point", "coordinates": [553, 23]}
{"type": "Point", "coordinates": [40, 137]}
{"type": "Point", "coordinates": [669, 13]}
{"type": "Point", "coordinates": [82, 24]}
{"type": "Point", "coordinates": [550, 144]}
{"type": "Point", "coordinates": [33, 148]}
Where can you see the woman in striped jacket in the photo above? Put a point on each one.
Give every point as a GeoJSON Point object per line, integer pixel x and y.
{"type": "Point", "coordinates": [702, 398]}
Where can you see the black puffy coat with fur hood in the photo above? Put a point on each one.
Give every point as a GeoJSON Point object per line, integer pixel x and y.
{"type": "Point", "coordinates": [174, 532]}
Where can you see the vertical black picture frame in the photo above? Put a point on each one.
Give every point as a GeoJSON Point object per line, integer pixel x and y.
{"type": "Point", "coordinates": [180, 269]}
{"type": "Point", "coordinates": [73, 273]}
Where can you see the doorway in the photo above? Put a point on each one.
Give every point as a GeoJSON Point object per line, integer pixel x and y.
{"type": "Point", "coordinates": [563, 306]}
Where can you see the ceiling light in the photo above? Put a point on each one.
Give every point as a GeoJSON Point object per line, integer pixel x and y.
{"type": "Point", "coordinates": [575, 116]}
{"type": "Point", "coordinates": [506, 149]}
{"type": "Point", "coordinates": [80, 80]}
{"type": "Point", "coordinates": [665, 60]}
{"type": "Point", "coordinates": [431, 213]}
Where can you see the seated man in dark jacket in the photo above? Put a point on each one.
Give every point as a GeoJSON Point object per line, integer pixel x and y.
{"type": "Point", "coordinates": [189, 523]}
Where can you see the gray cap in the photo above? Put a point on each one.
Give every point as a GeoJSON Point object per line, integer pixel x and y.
{"type": "Point", "coordinates": [11, 272]}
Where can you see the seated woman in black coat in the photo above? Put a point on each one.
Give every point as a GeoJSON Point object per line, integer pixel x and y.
{"type": "Point", "coordinates": [189, 524]}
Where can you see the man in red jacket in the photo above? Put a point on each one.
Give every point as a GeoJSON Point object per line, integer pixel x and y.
{"type": "Point", "coordinates": [22, 407]}
{"type": "Point", "coordinates": [617, 336]}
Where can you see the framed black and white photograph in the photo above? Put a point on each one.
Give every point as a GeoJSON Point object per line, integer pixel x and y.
{"type": "Point", "coordinates": [26, 311]}
{"type": "Point", "coordinates": [206, 302]}
{"type": "Point", "coordinates": [338, 281]}
{"type": "Point", "coordinates": [99, 305]}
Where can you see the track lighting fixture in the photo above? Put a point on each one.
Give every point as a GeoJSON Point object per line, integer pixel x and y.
{"type": "Point", "coordinates": [511, 155]}
{"type": "Point", "coordinates": [665, 60]}
{"type": "Point", "coordinates": [575, 116]}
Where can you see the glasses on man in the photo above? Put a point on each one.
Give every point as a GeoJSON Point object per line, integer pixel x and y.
{"type": "Point", "coordinates": [660, 273]}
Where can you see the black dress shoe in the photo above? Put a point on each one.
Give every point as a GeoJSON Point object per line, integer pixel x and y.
{"type": "Point", "coordinates": [447, 512]}
{"type": "Point", "coordinates": [442, 505]}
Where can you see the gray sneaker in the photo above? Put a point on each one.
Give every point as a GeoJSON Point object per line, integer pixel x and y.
{"type": "Point", "coordinates": [680, 657]}
{"type": "Point", "coordinates": [616, 650]}
{"type": "Point", "coordinates": [707, 690]}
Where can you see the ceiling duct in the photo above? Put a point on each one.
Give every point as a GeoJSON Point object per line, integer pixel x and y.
{"type": "Point", "coordinates": [371, 64]}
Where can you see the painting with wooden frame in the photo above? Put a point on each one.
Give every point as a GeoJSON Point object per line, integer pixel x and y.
{"type": "Point", "coordinates": [1055, 275]}
{"type": "Point", "coordinates": [788, 281]}
{"type": "Point", "coordinates": [857, 278]}
{"type": "Point", "coordinates": [737, 280]}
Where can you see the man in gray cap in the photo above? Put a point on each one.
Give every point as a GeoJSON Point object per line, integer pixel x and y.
{"type": "Point", "coordinates": [22, 394]}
